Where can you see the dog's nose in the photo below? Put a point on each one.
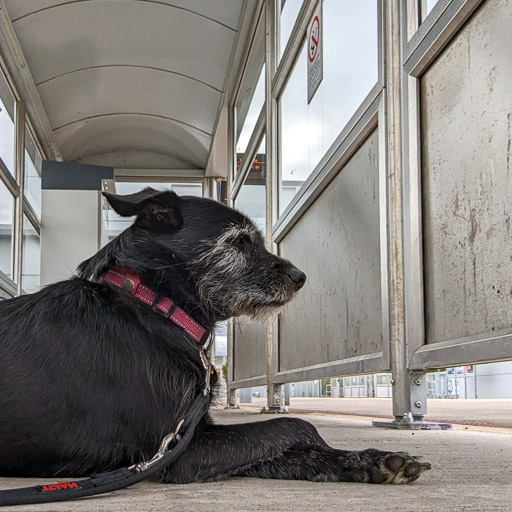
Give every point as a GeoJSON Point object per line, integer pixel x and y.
{"type": "Point", "coordinates": [298, 277]}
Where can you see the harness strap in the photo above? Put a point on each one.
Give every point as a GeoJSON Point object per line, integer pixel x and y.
{"type": "Point", "coordinates": [113, 480]}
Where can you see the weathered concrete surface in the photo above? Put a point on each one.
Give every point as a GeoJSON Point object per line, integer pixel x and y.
{"type": "Point", "coordinates": [472, 472]}
{"type": "Point", "coordinates": [482, 412]}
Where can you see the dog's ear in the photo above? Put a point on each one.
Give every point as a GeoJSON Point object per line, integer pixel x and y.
{"type": "Point", "coordinates": [156, 210]}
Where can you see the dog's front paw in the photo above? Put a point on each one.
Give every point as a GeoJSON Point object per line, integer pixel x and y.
{"type": "Point", "coordinates": [393, 467]}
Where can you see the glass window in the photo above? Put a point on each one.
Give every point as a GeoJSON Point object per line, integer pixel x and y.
{"type": "Point", "coordinates": [350, 70]}
{"type": "Point", "coordinates": [251, 199]}
{"type": "Point", "coordinates": [114, 224]}
{"type": "Point", "coordinates": [6, 229]}
{"type": "Point", "coordinates": [31, 258]}
{"type": "Point", "coordinates": [251, 93]}
{"type": "Point", "coordinates": [255, 106]}
{"type": "Point", "coordinates": [428, 5]}
{"type": "Point", "coordinates": [33, 163]}
{"type": "Point", "coordinates": [289, 12]}
{"type": "Point", "coordinates": [383, 379]}
{"type": "Point", "coordinates": [7, 108]}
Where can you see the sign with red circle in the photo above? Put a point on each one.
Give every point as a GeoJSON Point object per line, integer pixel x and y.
{"type": "Point", "coordinates": [314, 39]}
{"type": "Point", "coordinates": [314, 52]}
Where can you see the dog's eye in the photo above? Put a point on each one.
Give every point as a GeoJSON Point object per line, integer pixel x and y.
{"type": "Point", "coordinates": [243, 241]}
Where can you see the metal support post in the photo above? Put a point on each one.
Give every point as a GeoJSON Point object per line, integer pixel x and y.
{"type": "Point", "coordinates": [287, 394]}
{"type": "Point", "coordinates": [233, 402]}
{"type": "Point", "coordinates": [20, 174]}
{"type": "Point", "coordinates": [409, 389]}
{"type": "Point", "coordinates": [275, 394]}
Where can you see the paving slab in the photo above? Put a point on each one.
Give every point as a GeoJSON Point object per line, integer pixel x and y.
{"type": "Point", "coordinates": [471, 472]}
{"type": "Point", "coordinates": [483, 412]}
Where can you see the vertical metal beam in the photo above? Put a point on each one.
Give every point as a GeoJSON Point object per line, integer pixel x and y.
{"type": "Point", "coordinates": [398, 346]}
{"type": "Point", "coordinates": [232, 400]}
{"type": "Point", "coordinates": [413, 262]}
{"type": "Point", "coordinates": [275, 395]}
{"type": "Point", "coordinates": [20, 178]}
{"type": "Point", "coordinates": [406, 320]}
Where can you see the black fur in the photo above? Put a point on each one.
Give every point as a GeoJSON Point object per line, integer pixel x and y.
{"type": "Point", "coordinates": [91, 379]}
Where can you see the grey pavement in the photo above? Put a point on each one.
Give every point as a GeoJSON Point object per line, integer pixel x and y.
{"type": "Point", "coordinates": [471, 472]}
{"type": "Point", "coordinates": [483, 412]}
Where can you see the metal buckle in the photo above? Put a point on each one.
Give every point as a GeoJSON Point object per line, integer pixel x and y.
{"type": "Point", "coordinates": [162, 450]}
{"type": "Point", "coordinates": [205, 354]}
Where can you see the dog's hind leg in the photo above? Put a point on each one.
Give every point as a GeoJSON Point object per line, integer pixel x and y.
{"type": "Point", "coordinates": [287, 448]}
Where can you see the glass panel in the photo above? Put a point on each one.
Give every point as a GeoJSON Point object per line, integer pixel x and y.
{"type": "Point", "coordinates": [33, 163]}
{"type": "Point", "coordinates": [289, 12]}
{"type": "Point", "coordinates": [6, 223]}
{"type": "Point", "coordinates": [31, 258]}
{"type": "Point", "coordinates": [428, 5]}
{"type": "Point", "coordinates": [251, 199]}
{"type": "Point", "coordinates": [251, 94]}
{"type": "Point", "coordinates": [7, 109]}
{"type": "Point", "coordinates": [114, 224]}
{"type": "Point", "coordinates": [350, 70]}
{"type": "Point", "coordinates": [257, 101]}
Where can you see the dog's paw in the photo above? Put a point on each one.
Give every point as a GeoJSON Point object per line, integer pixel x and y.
{"type": "Point", "coordinates": [393, 467]}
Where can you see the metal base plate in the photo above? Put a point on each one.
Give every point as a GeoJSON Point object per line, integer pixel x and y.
{"type": "Point", "coordinates": [274, 410]}
{"type": "Point", "coordinates": [412, 425]}
{"type": "Point", "coordinates": [232, 406]}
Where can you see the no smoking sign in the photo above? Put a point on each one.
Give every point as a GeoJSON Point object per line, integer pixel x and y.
{"type": "Point", "coordinates": [314, 51]}
{"type": "Point", "coordinates": [314, 39]}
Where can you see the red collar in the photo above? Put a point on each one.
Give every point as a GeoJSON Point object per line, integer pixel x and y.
{"type": "Point", "coordinates": [130, 281]}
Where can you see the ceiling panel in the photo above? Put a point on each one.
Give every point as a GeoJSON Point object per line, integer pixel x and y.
{"type": "Point", "coordinates": [130, 80]}
{"type": "Point", "coordinates": [225, 12]}
{"type": "Point", "coordinates": [97, 91]}
{"type": "Point", "coordinates": [128, 132]}
{"type": "Point", "coordinates": [109, 32]}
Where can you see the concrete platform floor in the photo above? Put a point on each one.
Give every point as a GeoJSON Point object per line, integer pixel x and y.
{"type": "Point", "coordinates": [482, 412]}
{"type": "Point", "coordinates": [471, 472]}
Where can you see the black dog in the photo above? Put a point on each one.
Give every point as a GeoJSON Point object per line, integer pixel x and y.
{"type": "Point", "coordinates": [91, 378]}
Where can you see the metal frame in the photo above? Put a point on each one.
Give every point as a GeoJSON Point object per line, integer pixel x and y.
{"type": "Point", "coordinates": [27, 104]}
{"type": "Point", "coordinates": [250, 49]}
{"type": "Point", "coordinates": [369, 116]}
{"type": "Point", "coordinates": [439, 27]}
{"type": "Point", "coordinates": [21, 80]}
{"type": "Point", "coordinates": [443, 24]}
{"type": "Point", "coordinates": [319, 178]}
{"type": "Point", "coordinates": [191, 175]}
{"type": "Point", "coordinates": [235, 183]}
{"type": "Point", "coordinates": [408, 48]}
{"type": "Point", "coordinates": [250, 153]}
{"type": "Point", "coordinates": [355, 132]}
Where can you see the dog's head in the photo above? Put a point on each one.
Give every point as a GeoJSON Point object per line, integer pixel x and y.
{"type": "Point", "coordinates": [220, 248]}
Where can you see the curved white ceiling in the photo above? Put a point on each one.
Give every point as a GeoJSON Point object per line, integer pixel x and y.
{"type": "Point", "coordinates": [132, 132]}
{"type": "Point", "coordinates": [133, 76]}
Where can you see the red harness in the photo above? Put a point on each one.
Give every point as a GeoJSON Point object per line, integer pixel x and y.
{"type": "Point", "coordinates": [130, 281]}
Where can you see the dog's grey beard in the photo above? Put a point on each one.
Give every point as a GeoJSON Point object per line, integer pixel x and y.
{"type": "Point", "coordinates": [223, 265]}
